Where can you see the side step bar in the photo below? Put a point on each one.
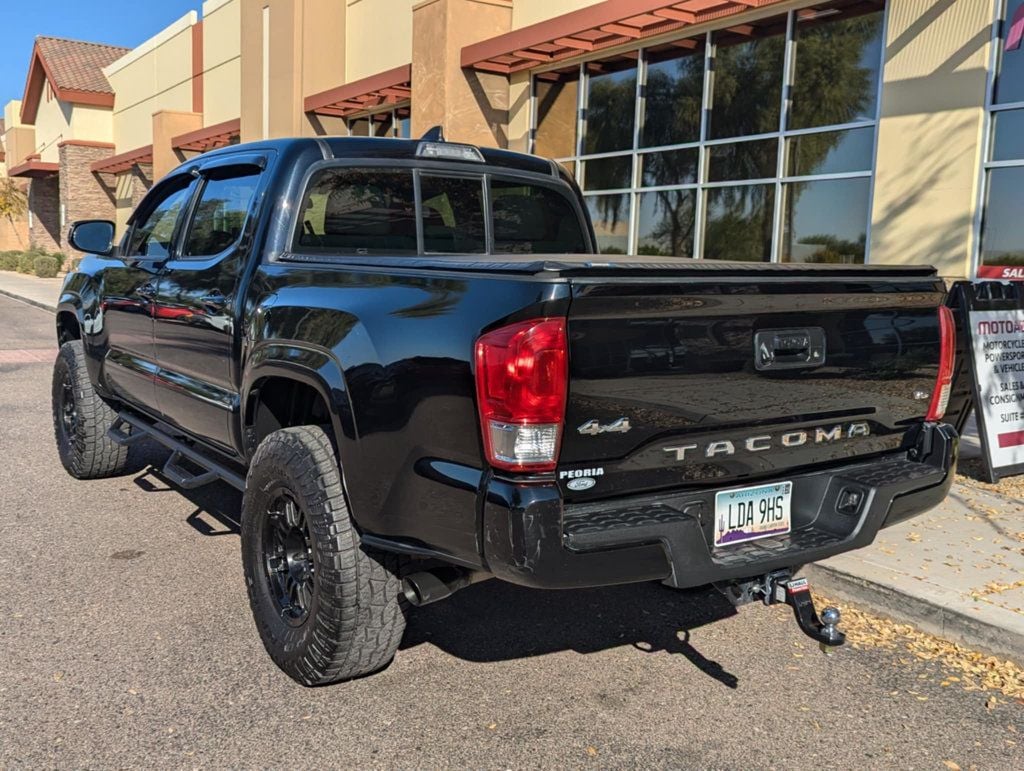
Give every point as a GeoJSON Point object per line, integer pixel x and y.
{"type": "Point", "coordinates": [212, 470]}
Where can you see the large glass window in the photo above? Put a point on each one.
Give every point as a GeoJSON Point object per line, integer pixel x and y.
{"type": "Point", "coordinates": [825, 220]}
{"type": "Point", "coordinates": [735, 144]}
{"type": "Point", "coordinates": [389, 122]}
{"type": "Point", "coordinates": [747, 93]}
{"type": "Point", "coordinates": [674, 94]}
{"type": "Point", "coordinates": [1002, 238]}
{"type": "Point", "coordinates": [837, 64]}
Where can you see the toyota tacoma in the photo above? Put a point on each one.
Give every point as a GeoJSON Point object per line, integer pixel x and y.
{"type": "Point", "coordinates": [410, 358]}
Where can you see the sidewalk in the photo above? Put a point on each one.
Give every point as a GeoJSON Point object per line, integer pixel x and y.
{"type": "Point", "coordinates": [957, 571]}
{"type": "Point", "coordinates": [41, 292]}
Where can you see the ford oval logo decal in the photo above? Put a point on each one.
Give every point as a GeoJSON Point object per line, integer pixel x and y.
{"type": "Point", "coordinates": [583, 483]}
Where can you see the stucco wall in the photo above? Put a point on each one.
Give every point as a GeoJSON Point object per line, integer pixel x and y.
{"type": "Point", "coordinates": [155, 76]}
{"type": "Point", "coordinates": [53, 124]}
{"type": "Point", "coordinates": [930, 132]}
{"type": "Point", "coordinates": [379, 36]}
{"type": "Point", "coordinates": [222, 67]}
{"type": "Point", "coordinates": [306, 55]}
{"type": "Point", "coordinates": [526, 12]}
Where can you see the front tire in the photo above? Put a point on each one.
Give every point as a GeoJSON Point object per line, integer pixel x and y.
{"type": "Point", "coordinates": [81, 419]}
{"type": "Point", "coordinates": [326, 608]}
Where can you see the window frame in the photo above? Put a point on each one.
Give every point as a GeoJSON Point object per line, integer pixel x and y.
{"type": "Point", "coordinates": [154, 198]}
{"type": "Point", "coordinates": [783, 134]}
{"type": "Point", "coordinates": [992, 109]}
{"type": "Point", "coordinates": [202, 181]}
{"type": "Point", "coordinates": [418, 168]}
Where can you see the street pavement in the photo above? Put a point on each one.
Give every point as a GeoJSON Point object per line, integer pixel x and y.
{"type": "Point", "coordinates": [126, 640]}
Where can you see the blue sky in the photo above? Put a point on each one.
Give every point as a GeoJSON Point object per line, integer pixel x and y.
{"type": "Point", "coordinates": [117, 22]}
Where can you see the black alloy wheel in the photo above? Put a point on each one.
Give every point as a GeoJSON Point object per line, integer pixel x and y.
{"type": "Point", "coordinates": [288, 558]}
{"type": "Point", "coordinates": [67, 408]}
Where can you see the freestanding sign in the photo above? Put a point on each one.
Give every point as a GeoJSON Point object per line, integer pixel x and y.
{"type": "Point", "coordinates": [995, 344]}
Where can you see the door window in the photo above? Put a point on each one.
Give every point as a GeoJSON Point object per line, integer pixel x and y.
{"type": "Point", "coordinates": [154, 232]}
{"type": "Point", "coordinates": [220, 215]}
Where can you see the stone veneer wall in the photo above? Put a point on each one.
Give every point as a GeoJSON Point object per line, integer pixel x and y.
{"type": "Point", "coordinates": [142, 181]}
{"type": "Point", "coordinates": [85, 195]}
{"type": "Point", "coordinates": [44, 203]}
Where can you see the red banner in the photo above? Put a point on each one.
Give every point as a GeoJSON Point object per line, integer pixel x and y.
{"type": "Point", "coordinates": [1004, 272]}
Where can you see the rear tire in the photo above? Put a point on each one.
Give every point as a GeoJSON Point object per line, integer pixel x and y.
{"type": "Point", "coordinates": [326, 608]}
{"type": "Point", "coordinates": [81, 419]}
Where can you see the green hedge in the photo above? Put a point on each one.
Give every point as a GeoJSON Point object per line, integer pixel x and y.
{"type": "Point", "coordinates": [9, 260]}
{"type": "Point", "coordinates": [28, 262]}
{"type": "Point", "coordinates": [46, 267]}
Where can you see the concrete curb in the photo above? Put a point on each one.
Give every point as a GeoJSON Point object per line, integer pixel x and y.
{"type": "Point", "coordinates": [926, 615]}
{"type": "Point", "coordinates": [27, 301]}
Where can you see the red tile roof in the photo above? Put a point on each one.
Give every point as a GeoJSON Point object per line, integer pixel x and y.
{"type": "Point", "coordinates": [77, 65]}
{"type": "Point", "coordinates": [74, 69]}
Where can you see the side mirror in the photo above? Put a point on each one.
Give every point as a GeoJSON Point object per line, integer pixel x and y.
{"type": "Point", "coordinates": [93, 236]}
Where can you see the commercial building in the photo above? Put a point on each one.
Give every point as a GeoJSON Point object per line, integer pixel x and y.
{"type": "Point", "coordinates": [885, 131]}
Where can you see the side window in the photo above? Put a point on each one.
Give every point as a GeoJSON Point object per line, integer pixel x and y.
{"type": "Point", "coordinates": [453, 215]}
{"type": "Point", "coordinates": [359, 211]}
{"type": "Point", "coordinates": [220, 215]}
{"type": "Point", "coordinates": [152, 235]}
{"type": "Point", "coordinates": [530, 219]}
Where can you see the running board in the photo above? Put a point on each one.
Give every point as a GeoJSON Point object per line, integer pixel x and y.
{"type": "Point", "coordinates": [172, 470]}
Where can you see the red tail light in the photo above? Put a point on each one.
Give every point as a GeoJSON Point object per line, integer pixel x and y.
{"type": "Point", "coordinates": [944, 381]}
{"type": "Point", "coordinates": [522, 372]}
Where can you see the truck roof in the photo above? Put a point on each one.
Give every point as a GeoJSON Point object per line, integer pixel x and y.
{"type": "Point", "coordinates": [382, 148]}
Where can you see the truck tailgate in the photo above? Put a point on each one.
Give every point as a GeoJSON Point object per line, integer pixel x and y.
{"type": "Point", "coordinates": [689, 381]}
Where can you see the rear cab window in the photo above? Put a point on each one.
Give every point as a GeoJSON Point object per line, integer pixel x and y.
{"type": "Point", "coordinates": [397, 211]}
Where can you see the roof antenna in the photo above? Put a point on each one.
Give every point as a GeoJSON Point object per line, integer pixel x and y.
{"type": "Point", "coordinates": [435, 134]}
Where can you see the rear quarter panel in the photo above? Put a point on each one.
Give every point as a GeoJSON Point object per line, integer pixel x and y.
{"type": "Point", "coordinates": [394, 349]}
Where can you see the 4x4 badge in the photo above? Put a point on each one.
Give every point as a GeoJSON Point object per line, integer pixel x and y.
{"type": "Point", "coordinates": [593, 428]}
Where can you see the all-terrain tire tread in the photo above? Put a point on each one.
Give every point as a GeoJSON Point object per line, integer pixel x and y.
{"type": "Point", "coordinates": [360, 613]}
{"type": "Point", "coordinates": [90, 453]}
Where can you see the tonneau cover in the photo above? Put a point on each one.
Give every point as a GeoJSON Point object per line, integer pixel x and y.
{"type": "Point", "coordinates": [582, 265]}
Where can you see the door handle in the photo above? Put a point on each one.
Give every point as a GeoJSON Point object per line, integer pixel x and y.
{"type": "Point", "coordinates": [789, 348]}
{"type": "Point", "coordinates": [214, 299]}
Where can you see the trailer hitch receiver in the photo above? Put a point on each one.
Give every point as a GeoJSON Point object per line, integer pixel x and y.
{"type": "Point", "coordinates": [796, 592]}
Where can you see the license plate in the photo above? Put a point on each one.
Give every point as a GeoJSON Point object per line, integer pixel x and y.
{"type": "Point", "coordinates": [752, 512]}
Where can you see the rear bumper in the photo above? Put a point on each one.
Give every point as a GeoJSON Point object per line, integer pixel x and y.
{"type": "Point", "coordinates": [531, 538]}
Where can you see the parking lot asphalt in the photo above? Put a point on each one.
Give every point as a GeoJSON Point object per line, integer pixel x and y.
{"type": "Point", "coordinates": [126, 640]}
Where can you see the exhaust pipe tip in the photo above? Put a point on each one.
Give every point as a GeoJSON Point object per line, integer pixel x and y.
{"type": "Point", "coordinates": [429, 586]}
{"type": "Point", "coordinates": [424, 588]}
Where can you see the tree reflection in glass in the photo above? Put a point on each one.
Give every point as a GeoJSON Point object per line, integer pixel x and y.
{"type": "Point", "coordinates": [666, 223]}
{"type": "Point", "coordinates": [748, 79]}
{"type": "Point", "coordinates": [739, 223]}
{"type": "Point", "coordinates": [836, 68]}
{"type": "Point", "coordinates": [611, 104]}
{"type": "Point", "coordinates": [674, 94]}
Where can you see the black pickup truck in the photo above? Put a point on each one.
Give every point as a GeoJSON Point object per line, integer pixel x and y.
{"type": "Point", "coordinates": [411, 359]}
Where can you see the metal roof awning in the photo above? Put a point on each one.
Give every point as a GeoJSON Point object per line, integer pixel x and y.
{"type": "Point", "coordinates": [209, 137]}
{"type": "Point", "coordinates": [606, 24]}
{"type": "Point", "coordinates": [33, 168]}
{"type": "Point", "coordinates": [116, 164]}
{"type": "Point", "coordinates": [384, 88]}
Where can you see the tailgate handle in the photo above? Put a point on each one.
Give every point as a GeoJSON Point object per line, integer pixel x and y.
{"type": "Point", "coordinates": [789, 348]}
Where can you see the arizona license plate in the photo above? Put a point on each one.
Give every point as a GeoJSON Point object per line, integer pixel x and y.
{"type": "Point", "coordinates": [752, 512]}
